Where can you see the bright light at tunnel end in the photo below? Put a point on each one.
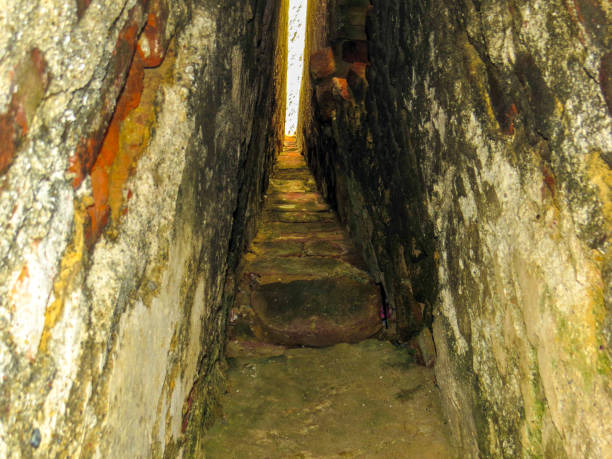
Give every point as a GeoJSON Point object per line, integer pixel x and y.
{"type": "Point", "coordinates": [295, 62]}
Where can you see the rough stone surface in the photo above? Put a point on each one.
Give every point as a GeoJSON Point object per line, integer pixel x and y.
{"type": "Point", "coordinates": [475, 174]}
{"type": "Point", "coordinates": [361, 400]}
{"type": "Point", "coordinates": [322, 63]}
{"type": "Point", "coordinates": [127, 129]}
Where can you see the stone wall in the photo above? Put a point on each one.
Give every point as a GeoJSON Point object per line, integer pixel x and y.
{"type": "Point", "coordinates": [126, 130]}
{"type": "Point", "coordinates": [475, 174]}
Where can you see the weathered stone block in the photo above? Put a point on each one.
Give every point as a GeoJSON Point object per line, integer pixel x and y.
{"type": "Point", "coordinates": [322, 63]}
{"type": "Point", "coordinates": [426, 348]}
{"type": "Point", "coordinates": [341, 89]}
{"type": "Point", "coordinates": [326, 103]}
{"type": "Point", "coordinates": [355, 51]}
{"type": "Point", "coordinates": [317, 312]}
{"type": "Point", "coordinates": [356, 79]}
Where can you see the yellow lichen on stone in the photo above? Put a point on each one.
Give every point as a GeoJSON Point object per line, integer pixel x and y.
{"type": "Point", "coordinates": [601, 176]}
{"type": "Point", "coordinates": [477, 70]}
{"type": "Point", "coordinates": [70, 266]}
{"type": "Point", "coordinates": [136, 132]}
{"type": "Point", "coordinates": [580, 334]}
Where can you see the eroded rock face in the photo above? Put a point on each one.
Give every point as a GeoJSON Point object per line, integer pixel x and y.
{"type": "Point", "coordinates": [127, 129]}
{"type": "Point", "coordinates": [475, 173]}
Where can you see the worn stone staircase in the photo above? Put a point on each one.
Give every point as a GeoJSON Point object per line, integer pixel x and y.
{"type": "Point", "coordinates": [301, 281]}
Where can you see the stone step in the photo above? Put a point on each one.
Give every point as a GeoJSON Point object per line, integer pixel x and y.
{"type": "Point", "coordinates": [284, 231]}
{"type": "Point", "coordinates": [269, 269]}
{"type": "Point", "coordinates": [317, 312]}
{"type": "Point", "coordinates": [291, 161]}
{"type": "Point", "coordinates": [303, 247]}
{"type": "Point", "coordinates": [302, 281]}
{"type": "Point", "coordinates": [297, 201]}
{"type": "Point", "coordinates": [294, 173]}
{"type": "Point", "coordinates": [287, 216]}
{"type": "Point", "coordinates": [292, 185]}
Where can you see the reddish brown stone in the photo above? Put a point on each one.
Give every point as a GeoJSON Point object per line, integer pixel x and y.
{"type": "Point", "coordinates": [605, 80]}
{"type": "Point", "coordinates": [325, 99]}
{"type": "Point", "coordinates": [591, 14]}
{"type": "Point", "coordinates": [322, 63]}
{"type": "Point", "coordinates": [417, 311]}
{"type": "Point", "coordinates": [340, 89]}
{"type": "Point", "coordinates": [9, 141]}
{"type": "Point", "coordinates": [154, 35]}
{"type": "Point", "coordinates": [355, 51]}
{"type": "Point", "coordinates": [88, 148]}
{"type": "Point", "coordinates": [548, 183]}
{"type": "Point", "coordinates": [100, 172]}
{"type": "Point", "coordinates": [317, 312]}
{"type": "Point", "coordinates": [359, 69]}
{"type": "Point", "coordinates": [30, 81]}
{"type": "Point", "coordinates": [82, 7]}
{"type": "Point", "coordinates": [40, 65]}
{"type": "Point", "coordinates": [510, 116]}
{"type": "Point", "coordinates": [187, 410]}
{"type": "Point", "coordinates": [356, 79]}
{"type": "Point", "coordinates": [424, 348]}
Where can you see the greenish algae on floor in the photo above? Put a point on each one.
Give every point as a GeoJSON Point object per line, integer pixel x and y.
{"type": "Point", "coordinates": [366, 400]}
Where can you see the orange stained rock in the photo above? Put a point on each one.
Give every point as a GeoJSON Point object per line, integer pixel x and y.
{"type": "Point", "coordinates": [88, 148]}
{"type": "Point", "coordinates": [153, 44]}
{"type": "Point", "coordinates": [134, 135]}
{"type": "Point", "coordinates": [100, 172]}
{"type": "Point", "coordinates": [322, 63]}
{"type": "Point", "coordinates": [359, 68]}
{"type": "Point", "coordinates": [341, 88]}
{"type": "Point", "coordinates": [511, 115]}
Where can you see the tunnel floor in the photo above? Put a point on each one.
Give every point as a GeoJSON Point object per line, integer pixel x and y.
{"type": "Point", "coordinates": [349, 400]}
{"type": "Point", "coordinates": [302, 283]}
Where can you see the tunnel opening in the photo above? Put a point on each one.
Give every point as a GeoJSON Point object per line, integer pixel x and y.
{"type": "Point", "coordinates": [295, 62]}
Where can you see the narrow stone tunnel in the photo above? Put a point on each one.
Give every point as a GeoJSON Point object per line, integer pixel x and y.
{"type": "Point", "coordinates": [465, 146]}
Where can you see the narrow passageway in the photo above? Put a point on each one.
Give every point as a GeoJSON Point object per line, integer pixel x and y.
{"type": "Point", "coordinates": [304, 284]}
{"type": "Point", "coordinates": [177, 282]}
